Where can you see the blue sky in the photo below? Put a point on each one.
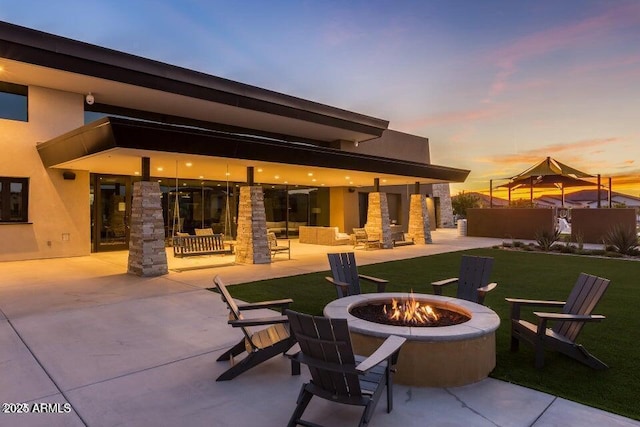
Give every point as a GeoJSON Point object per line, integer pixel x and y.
{"type": "Point", "coordinates": [495, 85]}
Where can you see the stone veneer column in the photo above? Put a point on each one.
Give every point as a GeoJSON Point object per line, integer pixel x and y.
{"type": "Point", "coordinates": [252, 246]}
{"type": "Point", "coordinates": [147, 254]}
{"type": "Point", "coordinates": [419, 227]}
{"type": "Point", "coordinates": [443, 192]}
{"type": "Point", "coordinates": [378, 225]}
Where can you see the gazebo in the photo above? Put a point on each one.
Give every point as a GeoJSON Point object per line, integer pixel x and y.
{"type": "Point", "coordinates": [549, 173]}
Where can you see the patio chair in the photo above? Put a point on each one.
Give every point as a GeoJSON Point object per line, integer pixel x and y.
{"type": "Point", "coordinates": [576, 311]}
{"type": "Point", "coordinates": [345, 275]}
{"type": "Point", "coordinates": [361, 238]}
{"type": "Point", "coordinates": [336, 373]}
{"type": "Point", "coordinates": [473, 282]}
{"type": "Point", "coordinates": [261, 345]}
{"type": "Point", "coordinates": [275, 248]}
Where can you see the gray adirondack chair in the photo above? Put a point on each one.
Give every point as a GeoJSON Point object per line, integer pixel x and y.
{"type": "Point", "coordinates": [336, 373]}
{"type": "Point", "coordinates": [345, 275]}
{"type": "Point", "coordinates": [576, 311]}
{"type": "Point", "coordinates": [473, 282]}
{"type": "Point", "coordinates": [259, 345]}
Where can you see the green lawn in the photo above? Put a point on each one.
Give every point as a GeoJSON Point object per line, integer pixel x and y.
{"type": "Point", "coordinates": [523, 275]}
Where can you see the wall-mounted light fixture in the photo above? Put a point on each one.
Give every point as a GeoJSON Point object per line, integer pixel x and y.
{"type": "Point", "coordinates": [90, 99]}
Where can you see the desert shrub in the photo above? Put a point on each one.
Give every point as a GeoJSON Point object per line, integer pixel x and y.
{"type": "Point", "coordinates": [546, 239]}
{"type": "Point", "coordinates": [518, 244]}
{"type": "Point", "coordinates": [621, 239]}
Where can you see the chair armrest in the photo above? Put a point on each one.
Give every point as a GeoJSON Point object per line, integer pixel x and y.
{"type": "Point", "coordinates": [488, 288]}
{"type": "Point", "coordinates": [380, 283]}
{"type": "Point", "coordinates": [391, 345]}
{"type": "Point", "coordinates": [282, 304]}
{"type": "Point", "coordinates": [516, 303]}
{"type": "Point", "coordinates": [343, 285]}
{"type": "Point", "coordinates": [543, 303]}
{"type": "Point", "coordinates": [562, 317]}
{"type": "Point", "coordinates": [437, 286]}
{"type": "Point", "coordinates": [570, 317]}
{"type": "Point", "coordinates": [258, 322]}
{"type": "Point", "coordinates": [445, 282]}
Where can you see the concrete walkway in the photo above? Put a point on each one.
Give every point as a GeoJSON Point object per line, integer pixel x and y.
{"type": "Point", "coordinates": [117, 350]}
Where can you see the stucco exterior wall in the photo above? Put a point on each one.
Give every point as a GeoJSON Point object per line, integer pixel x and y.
{"type": "Point", "coordinates": [59, 216]}
{"type": "Point", "coordinates": [344, 209]}
{"type": "Point", "coordinates": [394, 145]}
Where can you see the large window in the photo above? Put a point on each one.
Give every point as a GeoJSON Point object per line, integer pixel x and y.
{"type": "Point", "coordinates": [14, 102]}
{"type": "Point", "coordinates": [14, 199]}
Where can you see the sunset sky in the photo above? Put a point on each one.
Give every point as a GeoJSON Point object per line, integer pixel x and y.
{"type": "Point", "coordinates": [496, 86]}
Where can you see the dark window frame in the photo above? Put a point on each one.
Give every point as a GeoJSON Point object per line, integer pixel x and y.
{"type": "Point", "coordinates": [5, 198]}
{"type": "Point", "coordinates": [19, 90]}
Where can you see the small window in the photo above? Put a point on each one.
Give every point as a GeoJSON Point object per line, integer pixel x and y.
{"type": "Point", "coordinates": [14, 199]}
{"type": "Point", "coordinates": [14, 102]}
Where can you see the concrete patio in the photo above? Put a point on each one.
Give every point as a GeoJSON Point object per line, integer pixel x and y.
{"type": "Point", "coordinates": [130, 351]}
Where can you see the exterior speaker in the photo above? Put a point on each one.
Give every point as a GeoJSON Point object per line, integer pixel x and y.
{"type": "Point", "coordinates": [69, 175]}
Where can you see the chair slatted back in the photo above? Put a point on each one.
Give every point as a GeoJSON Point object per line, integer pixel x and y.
{"type": "Point", "coordinates": [344, 269]}
{"type": "Point", "coordinates": [474, 274]}
{"type": "Point", "coordinates": [327, 340]}
{"type": "Point", "coordinates": [584, 297]}
{"type": "Point", "coordinates": [272, 239]}
{"type": "Point", "coordinates": [234, 311]}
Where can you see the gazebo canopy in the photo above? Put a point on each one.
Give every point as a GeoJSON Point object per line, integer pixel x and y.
{"type": "Point", "coordinates": [551, 168]}
{"type": "Point", "coordinates": [549, 173]}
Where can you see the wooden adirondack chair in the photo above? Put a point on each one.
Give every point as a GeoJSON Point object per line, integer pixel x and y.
{"type": "Point", "coordinates": [345, 275]}
{"type": "Point", "coordinates": [336, 373]}
{"type": "Point", "coordinates": [261, 345]}
{"type": "Point", "coordinates": [473, 282]}
{"type": "Point", "coordinates": [576, 311]}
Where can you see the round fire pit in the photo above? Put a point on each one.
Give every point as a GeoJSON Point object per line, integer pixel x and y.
{"type": "Point", "coordinates": [436, 356]}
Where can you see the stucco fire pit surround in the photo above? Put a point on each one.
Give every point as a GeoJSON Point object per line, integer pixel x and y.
{"type": "Point", "coordinates": [446, 356]}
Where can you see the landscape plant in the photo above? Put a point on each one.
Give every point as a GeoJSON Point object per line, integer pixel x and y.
{"type": "Point", "coordinates": [623, 240]}
{"type": "Point", "coordinates": [546, 239]}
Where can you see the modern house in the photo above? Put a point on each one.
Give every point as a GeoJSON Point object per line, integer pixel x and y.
{"type": "Point", "coordinates": [80, 124]}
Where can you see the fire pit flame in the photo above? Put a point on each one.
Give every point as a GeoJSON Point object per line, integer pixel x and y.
{"type": "Point", "coordinates": [411, 312]}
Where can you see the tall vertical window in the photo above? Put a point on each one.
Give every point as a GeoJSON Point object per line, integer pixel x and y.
{"type": "Point", "coordinates": [14, 102]}
{"type": "Point", "coordinates": [14, 199]}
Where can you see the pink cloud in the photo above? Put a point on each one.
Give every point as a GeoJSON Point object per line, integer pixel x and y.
{"type": "Point", "coordinates": [579, 33]}
{"type": "Point", "coordinates": [451, 117]}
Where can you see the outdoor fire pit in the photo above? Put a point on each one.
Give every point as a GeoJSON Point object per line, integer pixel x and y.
{"type": "Point", "coordinates": [454, 346]}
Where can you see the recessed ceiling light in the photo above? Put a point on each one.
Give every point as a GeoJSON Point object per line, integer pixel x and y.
{"type": "Point", "coordinates": [351, 183]}
{"type": "Point", "coordinates": [313, 180]}
{"type": "Point", "coordinates": [259, 169]}
{"type": "Point", "coordinates": [310, 174]}
{"type": "Point", "coordinates": [286, 182]}
{"type": "Point", "coordinates": [184, 184]}
{"type": "Point", "coordinates": [347, 177]}
{"type": "Point", "coordinates": [201, 177]}
{"type": "Point", "coordinates": [228, 173]}
{"type": "Point", "coordinates": [160, 169]}
{"type": "Point", "coordinates": [189, 164]}
{"type": "Point", "coordinates": [384, 180]}
{"type": "Point", "coordinates": [277, 177]}
{"type": "Point", "coordinates": [136, 173]}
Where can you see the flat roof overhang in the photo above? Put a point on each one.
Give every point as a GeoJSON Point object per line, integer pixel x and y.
{"type": "Point", "coordinates": [32, 57]}
{"type": "Point", "coordinates": [116, 146]}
